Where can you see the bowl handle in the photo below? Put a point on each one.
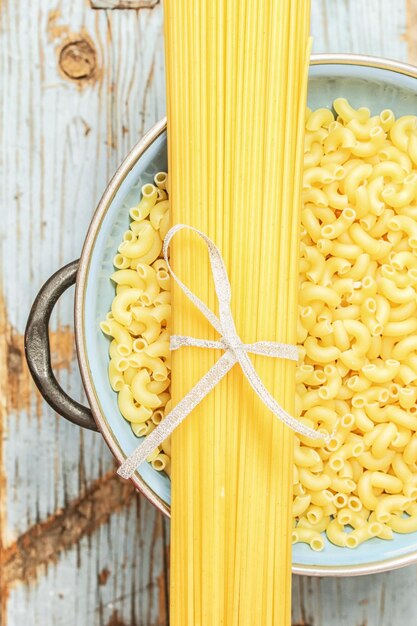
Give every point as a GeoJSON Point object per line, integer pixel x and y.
{"type": "Point", "coordinates": [38, 352]}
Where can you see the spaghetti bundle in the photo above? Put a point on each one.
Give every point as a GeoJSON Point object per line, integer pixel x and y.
{"type": "Point", "coordinates": [236, 88]}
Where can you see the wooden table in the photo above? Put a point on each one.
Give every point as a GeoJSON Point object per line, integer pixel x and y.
{"type": "Point", "coordinates": [81, 83]}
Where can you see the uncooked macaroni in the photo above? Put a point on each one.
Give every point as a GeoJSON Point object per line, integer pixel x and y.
{"type": "Point", "coordinates": [139, 368]}
{"type": "Point", "coordinates": [358, 367]}
{"type": "Point", "coordinates": [357, 328]}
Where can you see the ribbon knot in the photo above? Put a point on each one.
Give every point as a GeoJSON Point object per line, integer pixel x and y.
{"type": "Point", "coordinates": [235, 351]}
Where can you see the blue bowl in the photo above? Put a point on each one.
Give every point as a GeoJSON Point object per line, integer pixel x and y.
{"type": "Point", "coordinates": [365, 81]}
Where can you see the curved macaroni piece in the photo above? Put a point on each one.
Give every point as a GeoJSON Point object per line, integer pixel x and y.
{"type": "Point", "coordinates": [313, 482]}
{"type": "Point", "coordinates": [158, 212]}
{"type": "Point", "coordinates": [371, 146]}
{"type": "Point", "coordinates": [403, 525]}
{"type": "Point", "coordinates": [311, 224]}
{"type": "Point", "coordinates": [314, 196]}
{"type": "Point", "coordinates": [357, 175]}
{"type": "Point", "coordinates": [316, 264]}
{"type": "Point", "coordinates": [130, 411]}
{"type": "Point", "coordinates": [141, 393]}
{"type": "Point", "coordinates": [390, 484]}
{"type": "Point", "coordinates": [305, 457]}
{"type": "Point", "coordinates": [392, 153]}
{"type": "Point", "coordinates": [408, 226]}
{"type": "Point", "coordinates": [400, 131]}
{"type": "Point", "coordinates": [116, 377]}
{"type": "Point", "coordinates": [128, 277]}
{"type": "Point", "coordinates": [310, 293]}
{"type": "Point", "coordinates": [307, 535]}
{"type": "Point", "coordinates": [339, 137]}
{"type": "Point", "coordinates": [341, 225]}
{"type": "Point", "coordinates": [313, 157]}
{"type": "Point", "coordinates": [335, 533]}
{"type": "Point", "coordinates": [381, 372]}
{"type": "Point", "coordinates": [122, 305]}
{"type": "Point", "coordinates": [142, 430]}
{"type": "Point", "coordinates": [164, 225]}
{"type": "Point", "coordinates": [300, 505]}
{"type": "Point", "coordinates": [359, 535]}
{"type": "Point", "coordinates": [155, 365]}
{"type": "Point", "coordinates": [347, 113]}
{"type": "Point", "coordinates": [362, 129]}
{"type": "Point", "coordinates": [319, 118]}
{"type": "Point", "coordinates": [389, 505]}
{"type": "Point", "coordinates": [320, 354]}
{"type": "Point", "coordinates": [151, 285]}
{"type": "Point", "coordinates": [152, 328]}
{"type": "Point", "coordinates": [317, 176]}
{"type": "Point", "coordinates": [401, 198]}
{"type": "Point", "coordinates": [161, 462]}
{"type": "Point", "coordinates": [149, 197]}
{"type": "Point", "coordinates": [121, 335]}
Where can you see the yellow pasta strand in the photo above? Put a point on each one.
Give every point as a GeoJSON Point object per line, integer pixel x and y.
{"type": "Point", "coordinates": [236, 86]}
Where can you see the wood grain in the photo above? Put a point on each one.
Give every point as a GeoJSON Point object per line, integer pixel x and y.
{"type": "Point", "coordinates": [411, 31]}
{"type": "Point", "coordinates": [123, 4]}
{"type": "Point", "coordinates": [44, 542]}
{"type": "Point", "coordinates": [374, 27]}
{"type": "Point", "coordinates": [79, 86]}
{"type": "Point", "coordinates": [74, 100]}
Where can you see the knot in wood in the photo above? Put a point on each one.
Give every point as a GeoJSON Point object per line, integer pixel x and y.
{"type": "Point", "coordinates": [78, 60]}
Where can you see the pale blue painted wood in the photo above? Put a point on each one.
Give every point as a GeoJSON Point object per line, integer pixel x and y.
{"type": "Point", "coordinates": [60, 144]}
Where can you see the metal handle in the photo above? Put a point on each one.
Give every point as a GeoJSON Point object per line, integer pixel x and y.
{"type": "Point", "coordinates": [38, 352]}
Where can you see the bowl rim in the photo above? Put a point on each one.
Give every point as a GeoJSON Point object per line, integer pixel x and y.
{"type": "Point", "coordinates": [80, 290]}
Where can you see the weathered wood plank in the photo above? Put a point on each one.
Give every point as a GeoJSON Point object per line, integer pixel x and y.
{"type": "Point", "coordinates": [79, 87]}
{"type": "Point", "coordinates": [411, 31]}
{"type": "Point", "coordinates": [106, 579]}
{"type": "Point", "coordinates": [375, 27]}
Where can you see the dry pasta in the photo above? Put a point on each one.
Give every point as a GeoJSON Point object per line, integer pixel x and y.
{"type": "Point", "coordinates": [236, 90]}
{"type": "Point", "coordinates": [358, 338]}
{"type": "Point", "coordinates": [139, 367]}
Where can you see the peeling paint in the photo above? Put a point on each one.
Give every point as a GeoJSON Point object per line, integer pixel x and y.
{"type": "Point", "coordinates": [16, 385]}
{"type": "Point", "coordinates": [123, 4]}
{"type": "Point", "coordinates": [3, 413]}
{"type": "Point", "coordinates": [411, 30]}
{"type": "Point", "coordinates": [16, 394]}
{"type": "Point", "coordinates": [44, 542]}
{"type": "Point", "coordinates": [163, 599]}
{"type": "Point", "coordinates": [20, 387]}
{"type": "Point", "coordinates": [103, 576]}
{"type": "Point", "coordinates": [53, 28]}
{"type": "Point", "coordinates": [115, 620]}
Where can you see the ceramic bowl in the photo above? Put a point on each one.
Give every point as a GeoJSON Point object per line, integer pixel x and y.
{"type": "Point", "coordinates": [365, 81]}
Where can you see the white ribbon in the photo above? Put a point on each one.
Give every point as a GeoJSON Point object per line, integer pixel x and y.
{"type": "Point", "coordinates": [235, 352]}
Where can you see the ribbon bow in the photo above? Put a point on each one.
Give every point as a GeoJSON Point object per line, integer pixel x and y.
{"type": "Point", "coordinates": [235, 351]}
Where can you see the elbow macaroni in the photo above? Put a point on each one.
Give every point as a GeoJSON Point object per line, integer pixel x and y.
{"type": "Point", "coordinates": [357, 373]}
{"type": "Point", "coordinates": [139, 367]}
{"type": "Point", "coordinates": [358, 369]}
